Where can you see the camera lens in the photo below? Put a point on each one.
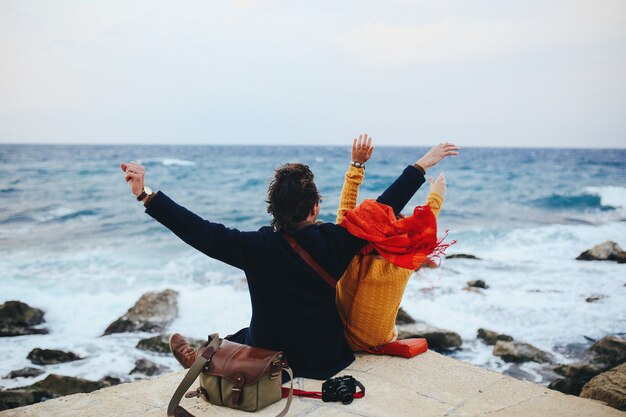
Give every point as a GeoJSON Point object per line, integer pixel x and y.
{"type": "Point", "coordinates": [344, 395]}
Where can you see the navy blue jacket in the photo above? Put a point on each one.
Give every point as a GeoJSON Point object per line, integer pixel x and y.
{"type": "Point", "coordinates": [293, 309]}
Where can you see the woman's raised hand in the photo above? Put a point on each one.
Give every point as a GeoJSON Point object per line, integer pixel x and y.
{"type": "Point", "coordinates": [436, 154]}
{"type": "Point", "coordinates": [362, 149]}
{"type": "Point", "coordinates": [134, 174]}
{"type": "Point", "coordinates": [439, 185]}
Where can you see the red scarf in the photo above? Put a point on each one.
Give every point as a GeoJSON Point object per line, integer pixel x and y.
{"type": "Point", "coordinates": [407, 242]}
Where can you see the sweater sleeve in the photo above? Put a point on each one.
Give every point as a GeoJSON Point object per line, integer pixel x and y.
{"type": "Point", "coordinates": [435, 201]}
{"type": "Point", "coordinates": [398, 194]}
{"type": "Point", "coordinates": [350, 191]}
{"type": "Point", "coordinates": [213, 239]}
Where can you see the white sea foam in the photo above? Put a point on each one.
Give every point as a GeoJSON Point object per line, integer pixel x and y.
{"type": "Point", "coordinates": [178, 162]}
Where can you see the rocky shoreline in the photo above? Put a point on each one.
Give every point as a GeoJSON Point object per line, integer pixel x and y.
{"type": "Point", "coordinates": [600, 372]}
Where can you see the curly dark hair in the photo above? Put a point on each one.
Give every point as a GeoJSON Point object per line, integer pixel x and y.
{"type": "Point", "coordinates": [291, 196]}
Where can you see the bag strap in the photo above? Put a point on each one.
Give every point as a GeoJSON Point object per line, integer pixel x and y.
{"type": "Point", "coordinates": [174, 409]}
{"type": "Point", "coordinates": [310, 261]}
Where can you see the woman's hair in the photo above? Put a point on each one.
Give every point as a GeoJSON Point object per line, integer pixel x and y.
{"type": "Point", "coordinates": [291, 196]}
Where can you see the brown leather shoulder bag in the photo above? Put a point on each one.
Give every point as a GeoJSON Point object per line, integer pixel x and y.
{"type": "Point", "coordinates": [234, 375]}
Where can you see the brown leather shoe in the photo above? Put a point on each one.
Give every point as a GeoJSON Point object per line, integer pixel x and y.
{"type": "Point", "coordinates": [184, 354]}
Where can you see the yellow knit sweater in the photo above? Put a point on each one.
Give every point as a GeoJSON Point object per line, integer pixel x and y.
{"type": "Point", "coordinates": [371, 288]}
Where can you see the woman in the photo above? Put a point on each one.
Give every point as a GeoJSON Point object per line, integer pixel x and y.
{"type": "Point", "coordinates": [371, 288]}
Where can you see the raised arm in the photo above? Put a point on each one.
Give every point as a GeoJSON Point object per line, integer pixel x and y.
{"type": "Point", "coordinates": [398, 194]}
{"type": "Point", "coordinates": [213, 239]}
{"type": "Point", "coordinates": [437, 190]}
{"type": "Point", "coordinates": [361, 152]}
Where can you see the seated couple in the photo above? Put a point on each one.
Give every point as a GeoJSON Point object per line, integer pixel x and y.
{"type": "Point", "coordinates": [293, 309]}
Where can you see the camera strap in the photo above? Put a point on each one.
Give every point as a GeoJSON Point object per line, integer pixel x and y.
{"type": "Point", "coordinates": [318, 394]}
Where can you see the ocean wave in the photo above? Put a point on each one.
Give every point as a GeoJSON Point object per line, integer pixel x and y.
{"type": "Point", "coordinates": [168, 162]}
{"type": "Point", "coordinates": [610, 195]}
{"type": "Point", "coordinates": [586, 200]}
{"type": "Point", "coordinates": [62, 214]}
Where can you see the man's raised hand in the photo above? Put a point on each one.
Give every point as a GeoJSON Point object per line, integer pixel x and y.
{"type": "Point", "coordinates": [134, 174]}
{"type": "Point", "coordinates": [436, 154]}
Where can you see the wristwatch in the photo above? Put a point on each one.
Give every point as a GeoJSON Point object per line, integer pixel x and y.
{"type": "Point", "coordinates": [146, 192]}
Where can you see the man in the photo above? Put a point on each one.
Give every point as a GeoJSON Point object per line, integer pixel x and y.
{"type": "Point", "coordinates": [293, 309]}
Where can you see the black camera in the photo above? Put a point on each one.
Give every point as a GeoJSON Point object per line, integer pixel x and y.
{"type": "Point", "coordinates": [341, 389]}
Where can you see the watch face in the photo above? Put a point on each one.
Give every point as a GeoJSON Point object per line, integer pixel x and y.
{"type": "Point", "coordinates": [148, 190]}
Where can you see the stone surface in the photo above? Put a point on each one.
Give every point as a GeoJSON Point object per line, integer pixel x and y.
{"type": "Point", "coordinates": [148, 368]}
{"type": "Point", "coordinates": [153, 312]}
{"type": "Point", "coordinates": [438, 339]}
{"type": "Point", "coordinates": [51, 387]}
{"type": "Point", "coordinates": [520, 352]}
{"type": "Point", "coordinates": [403, 317]}
{"type": "Point", "coordinates": [17, 319]}
{"type": "Point", "coordinates": [610, 350]}
{"type": "Point", "coordinates": [427, 385]}
{"type": "Point", "coordinates": [609, 387]}
{"type": "Point", "coordinates": [490, 337]}
{"type": "Point", "coordinates": [51, 356]}
{"type": "Point", "coordinates": [25, 373]}
{"type": "Point", "coordinates": [607, 251]}
{"type": "Point", "coordinates": [462, 256]}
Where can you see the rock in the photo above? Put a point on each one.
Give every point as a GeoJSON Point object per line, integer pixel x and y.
{"type": "Point", "coordinates": [149, 368]}
{"type": "Point", "coordinates": [609, 386]}
{"type": "Point", "coordinates": [158, 344]}
{"type": "Point", "coordinates": [403, 317]}
{"type": "Point", "coordinates": [576, 376]}
{"type": "Point", "coordinates": [25, 373]}
{"type": "Point", "coordinates": [477, 283]}
{"type": "Point", "coordinates": [16, 319]}
{"type": "Point", "coordinates": [153, 312]}
{"type": "Point", "coordinates": [594, 298]}
{"type": "Point", "coordinates": [610, 350]}
{"type": "Point", "coordinates": [109, 381]}
{"type": "Point", "coordinates": [51, 387]}
{"type": "Point", "coordinates": [520, 352]}
{"type": "Point", "coordinates": [51, 356]}
{"type": "Point", "coordinates": [607, 251]}
{"type": "Point", "coordinates": [490, 337]}
{"type": "Point", "coordinates": [438, 339]}
{"type": "Point", "coordinates": [462, 256]}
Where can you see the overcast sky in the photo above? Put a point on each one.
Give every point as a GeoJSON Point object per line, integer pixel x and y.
{"type": "Point", "coordinates": [478, 73]}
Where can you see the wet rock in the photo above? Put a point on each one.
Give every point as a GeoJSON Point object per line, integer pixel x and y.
{"type": "Point", "coordinates": [609, 387]}
{"type": "Point", "coordinates": [520, 352]}
{"type": "Point", "coordinates": [17, 319]}
{"type": "Point", "coordinates": [607, 251]}
{"type": "Point", "coordinates": [610, 350]}
{"type": "Point", "coordinates": [148, 368]}
{"type": "Point", "coordinates": [51, 356]}
{"type": "Point", "coordinates": [51, 387]}
{"type": "Point", "coordinates": [439, 340]}
{"type": "Point", "coordinates": [477, 283]}
{"type": "Point", "coordinates": [403, 317]}
{"type": "Point", "coordinates": [594, 298]}
{"type": "Point", "coordinates": [462, 256]}
{"type": "Point", "coordinates": [490, 337]}
{"type": "Point", "coordinates": [158, 344]}
{"type": "Point", "coordinates": [153, 312]}
{"type": "Point", "coordinates": [25, 373]}
{"type": "Point", "coordinates": [109, 381]}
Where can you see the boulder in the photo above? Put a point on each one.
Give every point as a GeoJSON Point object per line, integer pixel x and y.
{"type": "Point", "coordinates": [148, 368]}
{"type": "Point", "coordinates": [520, 352]}
{"type": "Point", "coordinates": [439, 340]}
{"type": "Point", "coordinates": [609, 387]}
{"type": "Point", "coordinates": [462, 256]}
{"type": "Point", "coordinates": [607, 251]}
{"type": "Point", "coordinates": [51, 387]}
{"type": "Point", "coordinates": [610, 350]}
{"type": "Point", "coordinates": [477, 283]}
{"type": "Point", "coordinates": [403, 317]}
{"type": "Point", "coordinates": [25, 373]}
{"type": "Point", "coordinates": [51, 356]}
{"type": "Point", "coordinates": [490, 337]}
{"type": "Point", "coordinates": [17, 319]}
{"type": "Point", "coordinates": [153, 312]}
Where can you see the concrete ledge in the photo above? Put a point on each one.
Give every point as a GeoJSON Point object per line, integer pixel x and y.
{"type": "Point", "coordinates": [428, 385]}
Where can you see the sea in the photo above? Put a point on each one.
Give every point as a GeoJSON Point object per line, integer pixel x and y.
{"type": "Point", "coordinates": [75, 243]}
